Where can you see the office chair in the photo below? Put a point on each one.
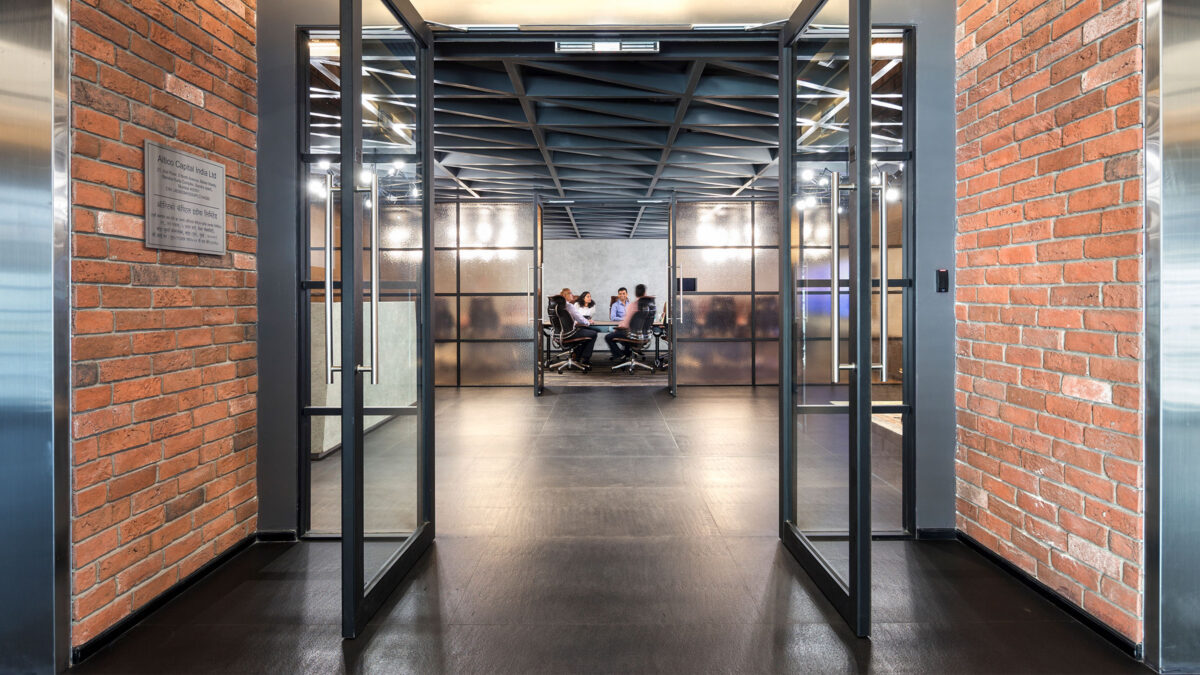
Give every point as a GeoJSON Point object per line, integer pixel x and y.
{"type": "Point", "coordinates": [638, 338]}
{"type": "Point", "coordinates": [563, 335]}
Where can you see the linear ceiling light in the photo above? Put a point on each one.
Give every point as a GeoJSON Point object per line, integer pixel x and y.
{"type": "Point", "coordinates": [605, 46]}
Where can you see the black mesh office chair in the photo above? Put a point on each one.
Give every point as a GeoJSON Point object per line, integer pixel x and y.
{"type": "Point", "coordinates": [640, 334]}
{"type": "Point", "coordinates": [563, 335]}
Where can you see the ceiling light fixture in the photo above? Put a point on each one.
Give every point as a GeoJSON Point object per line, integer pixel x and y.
{"type": "Point", "coordinates": [605, 46]}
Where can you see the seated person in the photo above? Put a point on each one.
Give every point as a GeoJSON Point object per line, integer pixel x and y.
{"type": "Point", "coordinates": [587, 306]}
{"type": "Point", "coordinates": [621, 351]}
{"type": "Point", "coordinates": [583, 329]}
{"type": "Point", "coordinates": [616, 311]}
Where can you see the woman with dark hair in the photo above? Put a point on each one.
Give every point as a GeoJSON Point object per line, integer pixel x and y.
{"type": "Point", "coordinates": [587, 306]}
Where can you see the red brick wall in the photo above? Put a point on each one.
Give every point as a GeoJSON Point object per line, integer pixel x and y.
{"type": "Point", "coordinates": [163, 343]}
{"type": "Point", "coordinates": [1049, 299]}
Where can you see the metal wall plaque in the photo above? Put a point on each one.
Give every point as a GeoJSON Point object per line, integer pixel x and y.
{"type": "Point", "coordinates": [185, 201]}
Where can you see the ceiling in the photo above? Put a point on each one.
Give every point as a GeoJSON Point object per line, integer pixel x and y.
{"type": "Point", "coordinates": [610, 12]}
{"type": "Point", "coordinates": [618, 136]}
{"type": "Point", "coordinates": [606, 140]}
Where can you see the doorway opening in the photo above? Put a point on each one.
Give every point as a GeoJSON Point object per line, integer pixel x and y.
{"type": "Point", "coordinates": [543, 166]}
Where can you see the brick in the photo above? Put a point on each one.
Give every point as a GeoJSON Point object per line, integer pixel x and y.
{"type": "Point", "coordinates": [141, 320]}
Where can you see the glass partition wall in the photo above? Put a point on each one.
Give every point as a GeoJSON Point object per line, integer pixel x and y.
{"type": "Point", "coordinates": [366, 291]}
{"type": "Point", "coordinates": [483, 255]}
{"type": "Point", "coordinates": [727, 255]}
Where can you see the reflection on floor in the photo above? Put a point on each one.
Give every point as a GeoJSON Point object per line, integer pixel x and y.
{"type": "Point", "coordinates": [602, 375]}
{"type": "Point", "coordinates": [609, 530]}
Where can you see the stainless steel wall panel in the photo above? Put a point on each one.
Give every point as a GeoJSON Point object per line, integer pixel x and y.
{"type": "Point", "coordinates": [34, 338]}
{"type": "Point", "coordinates": [1172, 322]}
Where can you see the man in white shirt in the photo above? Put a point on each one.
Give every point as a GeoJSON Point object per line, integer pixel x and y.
{"type": "Point", "coordinates": [582, 329]}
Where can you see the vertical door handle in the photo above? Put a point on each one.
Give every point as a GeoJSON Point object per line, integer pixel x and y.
{"type": "Point", "coordinates": [374, 197]}
{"type": "Point", "coordinates": [330, 368]}
{"type": "Point", "coordinates": [883, 278]}
{"type": "Point", "coordinates": [835, 291]}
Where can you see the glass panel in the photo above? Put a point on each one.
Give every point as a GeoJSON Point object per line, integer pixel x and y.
{"type": "Point", "coordinates": [766, 316]}
{"type": "Point", "coordinates": [495, 271]}
{"type": "Point", "coordinates": [887, 472]}
{"type": "Point", "coordinates": [715, 316]}
{"type": "Point", "coordinates": [325, 474]}
{"type": "Point", "coordinates": [717, 270]}
{"type": "Point", "coordinates": [398, 354]}
{"type": "Point", "coordinates": [713, 362]}
{"type": "Point", "coordinates": [822, 483]}
{"type": "Point", "coordinates": [712, 224]}
{"type": "Point", "coordinates": [445, 224]}
{"type": "Point", "coordinates": [321, 393]}
{"type": "Point", "coordinates": [490, 317]}
{"type": "Point", "coordinates": [496, 225]}
{"type": "Point", "coordinates": [766, 223]}
{"type": "Point", "coordinates": [497, 363]}
{"type": "Point", "coordinates": [389, 90]}
{"type": "Point", "coordinates": [315, 193]}
{"type": "Point", "coordinates": [823, 81]}
{"type": "Point", "coordinates": [766, 269]}
{"type": "Point", "coordinates": [445, 310]}
{"type": "Point", "coordinates": [445, 360]}
{"type": "Point", "coordinates": [445, 271]}
{"type": "Point", "coordinates": [766, 362]}
{"type": "Point", "coordinates": [399, 224]}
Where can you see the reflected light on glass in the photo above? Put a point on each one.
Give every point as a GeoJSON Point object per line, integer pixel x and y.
{"type": "Point", "coordinates": [807, 175]}
{"type": "Point", "coordinates": [893, 194]}
{"type": "Point", "coordinates": [324, 165]}
{"type": "Point", "coordinates": [824, 182]}
{"type": "Point", "coordinates": [365, 177]}
{"type": "Point", "coordinates": [316, 188]}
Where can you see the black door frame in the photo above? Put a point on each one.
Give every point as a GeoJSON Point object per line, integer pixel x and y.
{"type": "Point", "coordinates": [852, 596]}
{"type": "Point", "coordinates": [360, 601]}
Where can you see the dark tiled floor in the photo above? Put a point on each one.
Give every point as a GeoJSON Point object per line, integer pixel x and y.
{"type": "Point", "coordinates": [617, 545]}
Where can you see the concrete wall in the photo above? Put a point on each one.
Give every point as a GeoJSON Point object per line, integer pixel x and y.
{"type": "Point", "coordinates": [603, 265]}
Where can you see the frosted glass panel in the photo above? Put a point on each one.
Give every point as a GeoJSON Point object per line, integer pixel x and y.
{"type": "Point", "coordinates": [497, 363]}
{"type": "Point", "coordinates": [495, 225]}
{"type": "Point", "coordinates": [445, 225]}
{"type": "Point", "coordinates": [445, 318]}
{"type": "Point", "coordinates": [445, 362]}
{"type": "Point", "coordinates": [396, 266]}
{"type": "Point", "coordinates": [766, 362]}
{"type": "Point", "coordinates": [717, 269]}
{"type": "Point", "coordinates": [489, 317]}
{"type": "Point", "coordinates": [495, 271]}
{"type": "Point", "coordinates": [445, 271]}
{"type": "Point", "coordinates": [713, 224]}
{"type": "Point", "coordinates": [713, 362]}
{"type": "Point", "coordinates": [766, 269]}
{"type": "Point", "coordinates": [399, 226]}
{"type": "Point", "coordinates": [766, 223]}
{"type": "Point", "coordinates": [715, 316]}
{"type": "Point", "coordinates": [766, 316]}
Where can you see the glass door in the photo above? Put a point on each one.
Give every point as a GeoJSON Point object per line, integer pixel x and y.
{"type": "Point", "coordinates": [538, 310]}
{"type": "Point", "coordinates": [385, 367]}
{"type": "Point", "coordinates": [825, 388]}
